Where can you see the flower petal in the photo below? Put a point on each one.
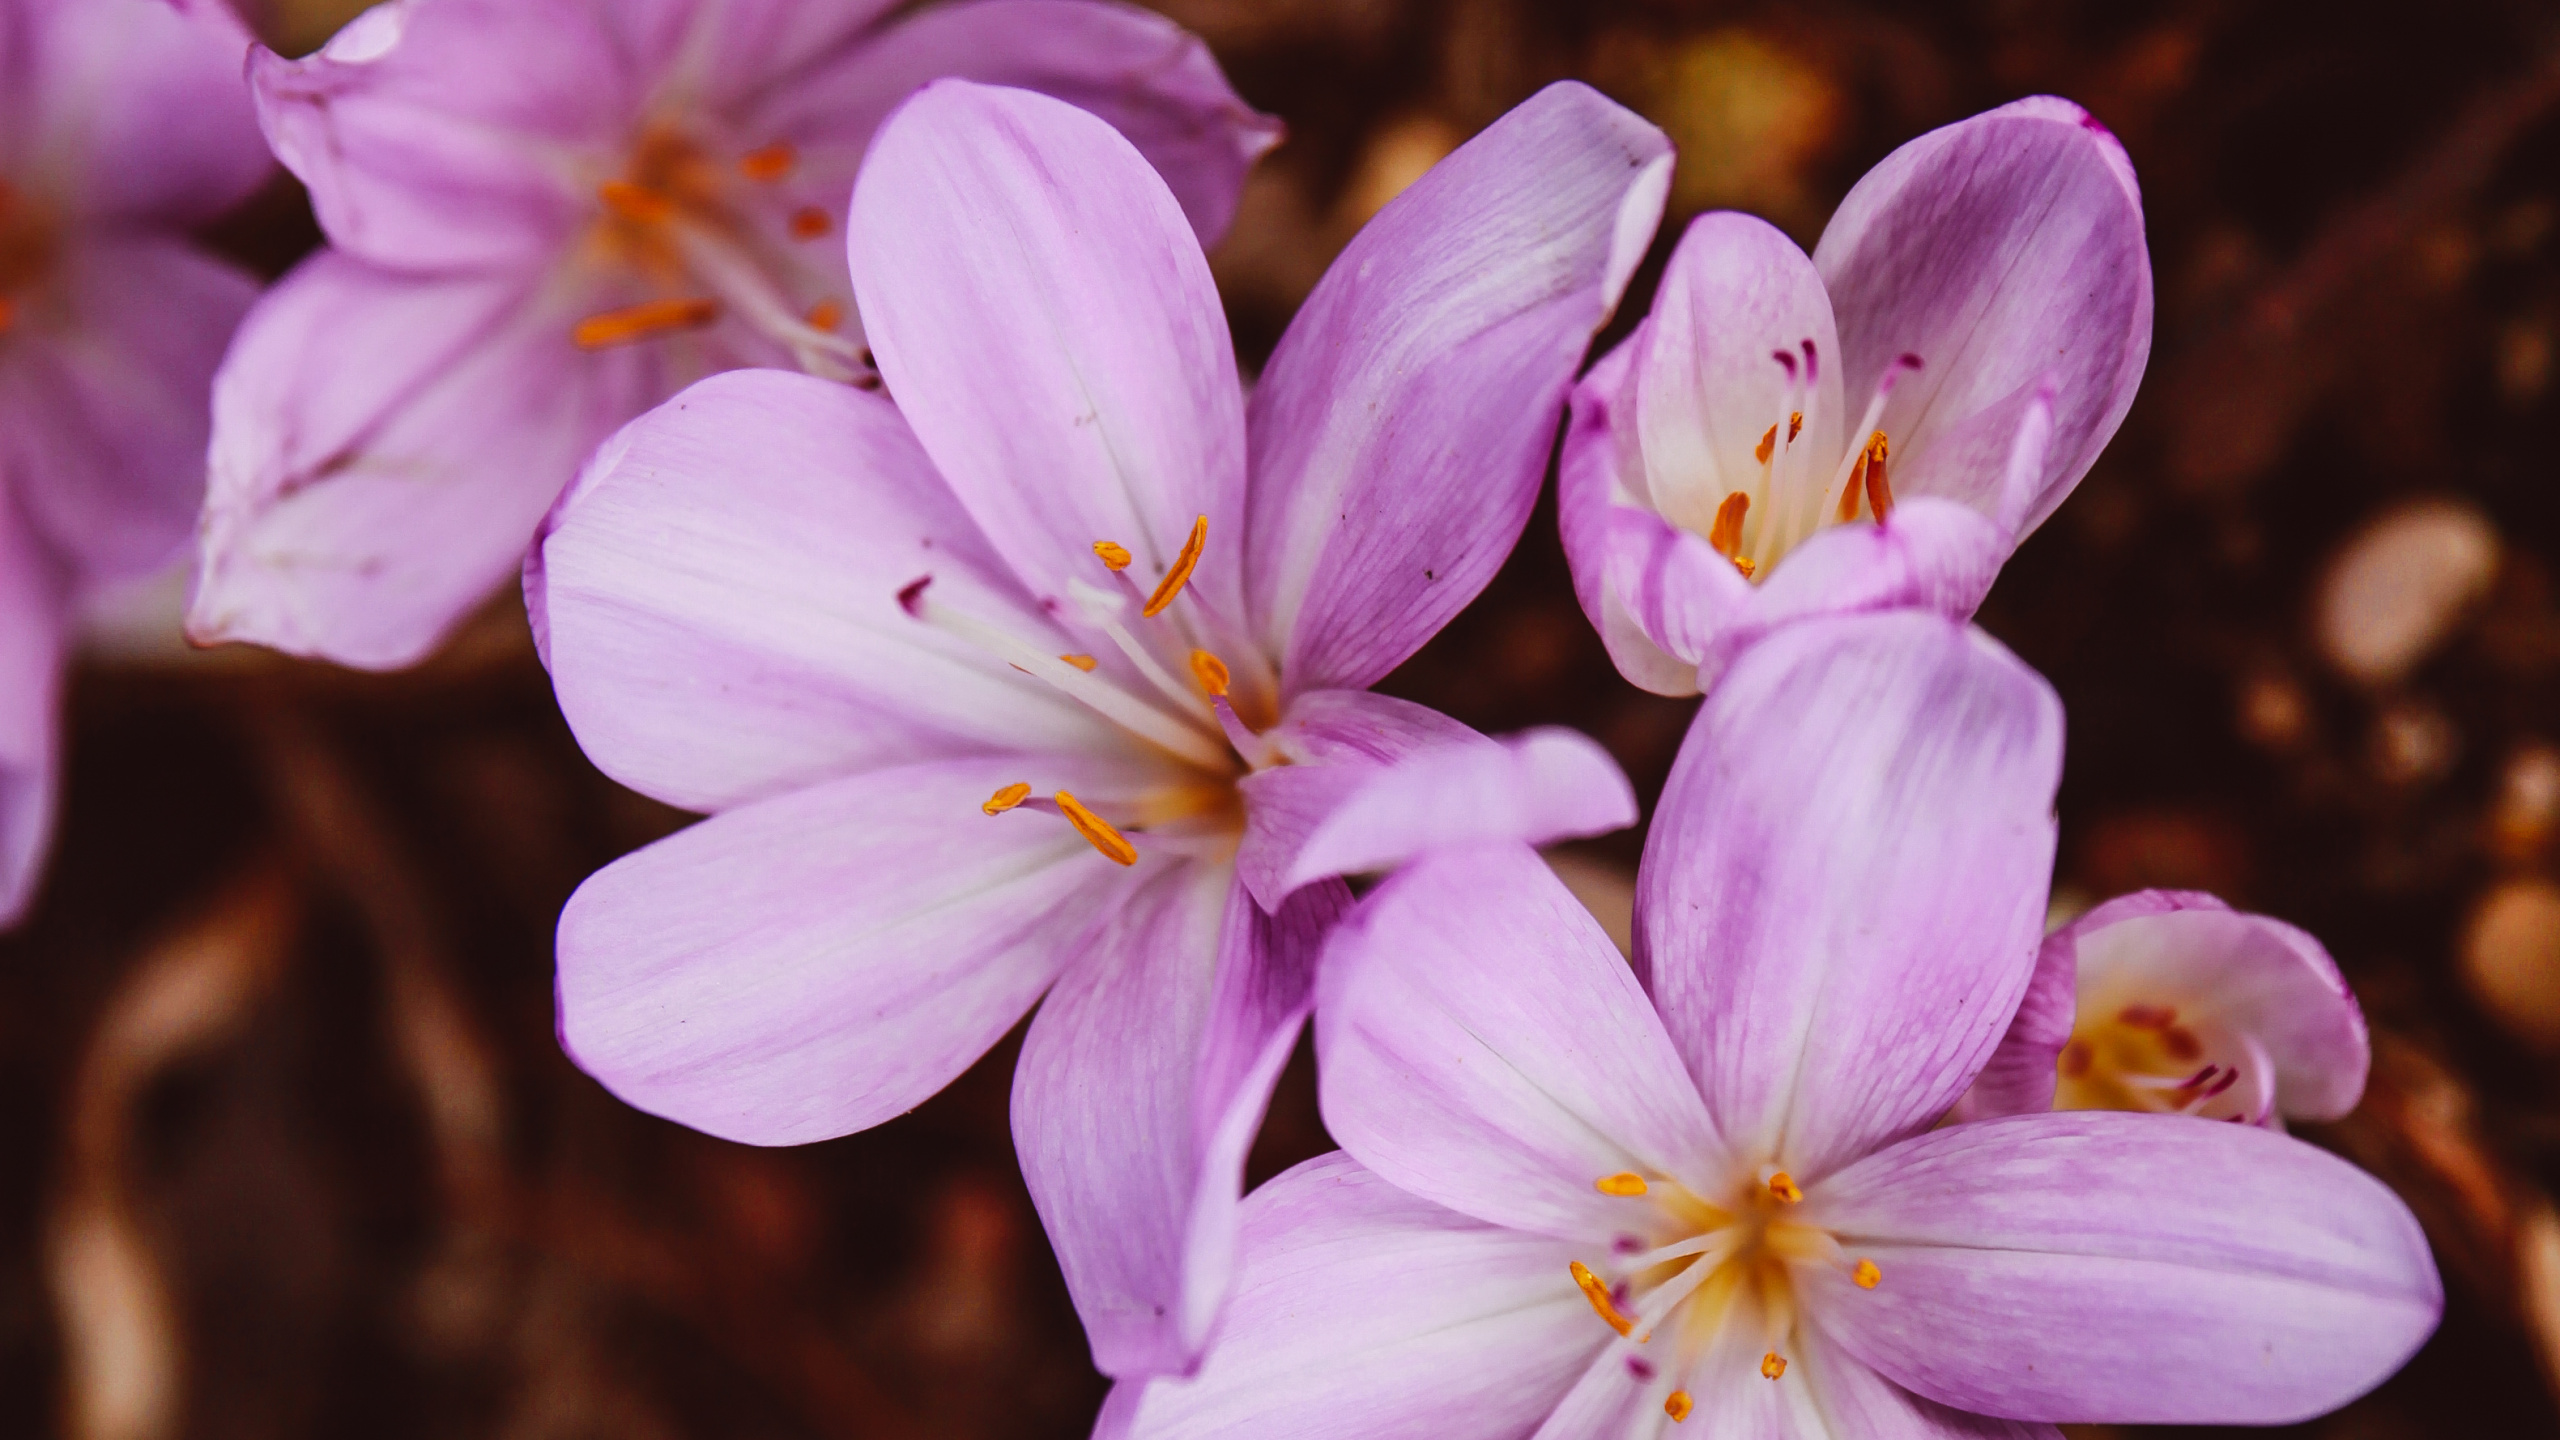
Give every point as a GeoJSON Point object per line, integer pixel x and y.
{"type": "Point", "coordinates": [817, 963]}
{"type": "Point", "coordinates": [2004, 250]}
{"type": "Point", "coordinates": [1375, 781]}
{"type": "Point", "coordinates": [1155, 82]}
{"type": "Point", "coordinates": [718, 600]}
{"type": "Point", "coordinates": [1363, 1313]}
{"type": "Point", "coordinates": [1854, 1400]}
{"type": "Point", "coordinates": [1841, 896]}
{"type": "Point", "coordinates": [104, 384]}
{"type": "Point", "coordinates": [2136, 1269]}
{"type": "Point", "coordinates": [1043, 314]}
{"type": "Point", "coordinates": [140, 103]}
{"type": "Point", "coordinates": [1402, 427]}
{"type": "Point", "coordinates": [31, 661]}
{"type": "Point", "coordinates": [383, 448]}
{"type": "Point", "coordinates": [1483, 1046]}
{"type": "Point", "coordinates": [2019, 1078]}
{"type": "Point", "coordinates": [1140, 1088]}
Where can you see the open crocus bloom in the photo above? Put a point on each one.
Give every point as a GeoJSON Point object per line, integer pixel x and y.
{"type": "Point", "coordinates": [546, 216]}
{"type": "Point", "coordinates": [1579, 1201]}
{"type": "Point", "coordinates": [1876, 426]}
{"type": "Point", "coordinates": [1049, 678]}
{"type": "Point", "coordinates": [123, 124]}
{"type": "Point", "coordinates": [2169, 1000]}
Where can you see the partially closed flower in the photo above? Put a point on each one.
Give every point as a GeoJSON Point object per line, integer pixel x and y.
{"type": "Point", "coordinates": [1876, 426]}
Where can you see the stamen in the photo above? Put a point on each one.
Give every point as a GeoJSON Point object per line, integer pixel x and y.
{"type": "Point", "coordinates": [1768, 443]}
{"type": "Point", "coordinates": [1598, 1295]}
{"type": "Point", "coordinates": [1114, 556]}
{"type": "Point", "coordinates": [1180, 575]}
{"type": "Point", "coordinates": [1676, 1405]}
{"type": "Point", "coordinates": [1773, 1365]}
{"type": "Point", "coordinates": [1795, 426]}
{"type": "Point", "coordinates": [826, 315]}
{"type": "Point", "coordinates": [1850, 492]}
{"type": "Point", "coordinates": [1114, 846]}
{"type": "Point", "coordinates": [768, 163]}
{"type": "Point", "coordinates": [1879, 494]}
{"type": "Point", "coordinates": [1725, 535]}
{"type": "Point", "coordinates": [646, 320]}
{"type": "Point", "coordinates": [1008, 797]}
{"type": "Point", "coordinates": [635, 202]}
{"type": "Point", "coordinates": [1624, 1183]}
{"type": "Point", "coordinates": [1210, 671]}
{"type": "Point", "coordinates": [1866, 1275]}
{"type": "Point", "coordinates": [809, 222]}
{"type": "Point", "coordinates": [1784, 1187]}
{"type": "Point", "coordinates": [1081, 662]}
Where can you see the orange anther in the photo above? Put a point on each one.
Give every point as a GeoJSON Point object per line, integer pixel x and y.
{"type": "Point", "coordinates": [635, 202]}
{"type": "Point", "coordinates": [1795, 426]}
{"type": "Point", "coordinates": [1081, 662]}
{"type": "Point", "coordinates": [1210, 671]}
{"type": "Point", "coordinates": [1866, 1275]}
{"type": "Point", "coordinates": [809, 222]}
{"type": "Point", "coordinates": [1725, 535]}
{"type": "Point", "coordinates": [826, 315]}
{"type": "Point", "coordinates": [1180, 575]}
{"type": "Point", "coordinates": [1783, 1186]}
{"type": "Point", "coordinates": [1625, 1182]}
{"type": "Point", "coordinates": [1744, 564]}
{"type": "Point", "coordinates": [643, 321]}
{"type": "Point", "coordinates": [1008, 797]}
{"type": "Point", "coordinates": [1773, 1365]}
{"type": "Point", "coordinates": [1850, 492]}
{"type": "Point", "coordinates": [1879, 494]}
{"type": "Point", "coordinates": [1677, 1406]}
{"type": "Point", "coordinates": [1768, 445]}
{"type": "Point", "coordinates": [1114, 846]}
{"type": "Point", "coordinates": [770, 162]}
{"type": "Point", "coordinates": [1598, 1295]}
{"type": "Point", "coordinates": [1115, 556]}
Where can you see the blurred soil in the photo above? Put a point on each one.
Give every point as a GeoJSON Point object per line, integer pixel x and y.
{"type": "Point", "coordinates": [294, 1151]}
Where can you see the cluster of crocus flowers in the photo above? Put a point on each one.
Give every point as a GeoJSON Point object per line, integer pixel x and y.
{"type": "Point", "coordinates": [123, 125]}
{"type": "Point", "coordinates": [1875, 426]}
{"type": "Point", "coordinates": [545, 217]}
{"type": "Point", "coordinates": [1049, 679]}
{"type": "Point", "coordinates": [1713, 1192]}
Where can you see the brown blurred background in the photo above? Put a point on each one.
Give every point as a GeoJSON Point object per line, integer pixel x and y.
{"type": "Point", "coordinates": [294, 1153]}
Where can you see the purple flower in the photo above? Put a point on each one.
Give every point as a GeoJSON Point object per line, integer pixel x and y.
{"type": "Point", "coordinates": [1875, 427]}
{"type": "Point", "coordinates": [1051, 677]}
{"type": "Point", "coordinates": [123, 123]}
{"type": "Point", "coordinates": [2169, 1000]}
{"type": "Point", "coordinates": [1579, 1201]}
{"type": "Point", "coordinates": [547, 216]}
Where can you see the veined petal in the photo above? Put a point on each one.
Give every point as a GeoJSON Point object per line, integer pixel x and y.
{"type": "Point", "coordinates": [817, 963]}
{"type": "Point", "coordinates": [31, 660]}
{"type": "Point", "coordinates": [383, 449]}
{"type": "Point", "coordinates": [1364, 1313]}
{"type": "Point", "coordinates": [1375, 781]}
{"type": "Point", "coordinates": [718, 600]}
{"type": "Point", "coordinates": [2002, 250]}
{"type": "Point", "coordinates": [1841, 897]}
{"type": "Point", "coordinates": [1483, 1046]}
{"type": "Point", "coordinates": [103, 381]}
{"type": "Point", "coordinates": [1402, 427]}
{"type": "Point", "coordinates": [1140, 1088]}
{"type": "Point", "coordinates": [1044, 316]}
{"type": "Point", "coordinates": [2019, 1077]}
{"type": "Point", "coordinates": [1155, 82]}
{"type": "Point", "coordinates": [138, 109]}
{"type": "Point", "coordinates": [2137, 1269]}
{"type": "Point", "coordinates": [1932, 555]}
{"type": "Point", "coordinates": [1854, 1401]}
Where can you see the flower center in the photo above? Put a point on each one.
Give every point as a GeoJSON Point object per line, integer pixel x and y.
{"type": "Point", "coordinates": [26, 250]}
{"type": "Point", "coordinates": [1159, 681]}
{"type": "Point", "coordinates": [701, 237]}
{"type": "Point", "coordinates": [1716, 1281]}
{"type": "Point", "coordinates": [2149, 1058]}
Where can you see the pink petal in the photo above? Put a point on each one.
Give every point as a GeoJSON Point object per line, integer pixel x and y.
{"type": "Point", "coordinates": [1483, 1046]}
{"type": "Point", "coordinates": [718, 598]}
{"type": "Point", "coordinates": [2005, 250]}
{"type": "Point", "coordinates": [2019, 1079]}
{"type": "Point", "coordinates": [104, 382]}
{"type": "Point", "coordinates": [2126, 1269]}
{"type": "Point", "coordinates": [31, 661]}
{"type": "Point", "coordinates": [817, 963]}
{"type": "Point", "coordinates": [1401, 429]}
{"type": "Point", "coordinates": [1374, 781]}
{"type": "Point", "coordinates": [1363, 1313]}
{"type": "Point", "coordinates": [383, 448]}
{"type": "Point", "coordinates": [1841, 897]}
{"type": "Point", "coordinates": [1043, 314]}
{"type": "Point", "coordinates": [136, 108]}
{"type": "Point", "coordinates": [1140, 1088]}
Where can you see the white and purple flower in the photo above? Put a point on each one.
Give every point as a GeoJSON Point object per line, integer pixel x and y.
{"type": "Point", "coordinates": [1050, 679]}
{"type": "Point", "coordinates": [546, 216]}
{"type": "Point", "coordinates": [123, 125]}
{"type": "Point", "coordinates": [1579, 1201]}
{"type": "Point", "coordinates": [1872, 427]}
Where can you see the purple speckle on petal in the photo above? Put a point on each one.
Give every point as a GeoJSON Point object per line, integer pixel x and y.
{"type": "Point", "coordinates": [1626, 1245]}
{"type": "Point", "coordinates": [1640, 1367]}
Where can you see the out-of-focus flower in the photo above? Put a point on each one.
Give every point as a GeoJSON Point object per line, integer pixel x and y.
{"type": "Point", "coordinates": [1051, 677]}
{"type": "Point", "coordinates": [1582, 1202]}
{"type": "Point", "coordinates": [548, 215]}
{"type": "Point", "coordinates": [123, 123]}
{"type": "Point", "coordinates": [1982, 299]}
{"type": "Point", "coordinates": [2171, 1001]}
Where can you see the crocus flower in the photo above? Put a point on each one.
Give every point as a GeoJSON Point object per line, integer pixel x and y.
{"type": "Point", "coordinates": [1873, 427]}
{"type": "Point", "coordinates": [547, 216]}
{"type": "Point", "coordinates": [2170, 1000]}
{"type": "Point", "coordinates": [1580, 1201]}
{"type": "Point", "coordinates": [1051, 676]}
{"type": "Point", "coordinates": [123, 123]}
